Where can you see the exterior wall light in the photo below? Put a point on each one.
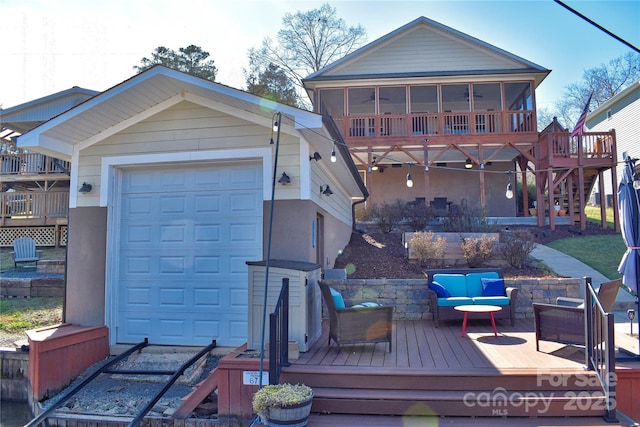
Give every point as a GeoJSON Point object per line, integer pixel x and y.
{"type": "Point", "coordinates": [86, 188]}
{"type": "Point", "coordinates": [468, 164]}
{"type": "Point", "coordinates": [325, 190]}
{"type": "Point", "coordinates": [284, 179]}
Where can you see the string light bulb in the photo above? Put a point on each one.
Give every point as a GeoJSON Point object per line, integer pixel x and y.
{"type": "Point", "coordinates": [509, 193]}
{"type": "Point", "coordinates": [468, 164]}
{"type": "Point", "coordinates": [333, 154]}
{"type": "Point", "coordinates": [409, 179]}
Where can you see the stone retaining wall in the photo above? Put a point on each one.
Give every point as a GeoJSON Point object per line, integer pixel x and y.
{"type": "Point", "coordinates": [411, 301]}
{"type": "Point", "coordinates": [31, 287]}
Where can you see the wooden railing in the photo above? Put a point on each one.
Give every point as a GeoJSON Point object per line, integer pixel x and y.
{"type": "Point", "coordinates": [32, 204]}
{"type": "Point", "coordinates": [31, 164]}
{"type": "Point", "coordinates": [402, 125]}
{"type": "Point", "coordinates": [279, 334]}
{"type": "Point", "coordinates": [600, 347]}
{"type": "Point", "coordinates": [591, 145]}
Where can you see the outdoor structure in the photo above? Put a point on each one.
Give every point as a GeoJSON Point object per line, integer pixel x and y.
{"type": "Point", "coordinates": [34, 189]}
{"type": "Point", "coordinates": [171, 185]}
{"type": "Point", "coordinates": [622, 113]}
{"type": "Point", "coordinates": [435, 116]}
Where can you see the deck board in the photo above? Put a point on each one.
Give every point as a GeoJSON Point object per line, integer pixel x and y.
{"type": "Point", "coordinates": [419, 345]}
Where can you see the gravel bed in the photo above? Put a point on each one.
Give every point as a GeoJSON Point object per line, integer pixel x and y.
{"type": "Point", "coordinates": [110, 394]}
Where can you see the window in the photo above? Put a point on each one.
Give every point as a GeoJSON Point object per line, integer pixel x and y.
{"type": "Point", "coordinates": [332, 102]}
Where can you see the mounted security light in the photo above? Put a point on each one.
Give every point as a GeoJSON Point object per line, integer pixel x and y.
{"type": "Point", "coordinates": [86, 188]}
{"type": "Point", "coordinates": [316, 156]}
{"type": "Point", "coordinates": [284, 179]}
{"type": "Point", "coordinates": [325, 190]}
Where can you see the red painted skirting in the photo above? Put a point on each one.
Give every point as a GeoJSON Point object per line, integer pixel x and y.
{"type": "Point", "coordinates": [58, 354]}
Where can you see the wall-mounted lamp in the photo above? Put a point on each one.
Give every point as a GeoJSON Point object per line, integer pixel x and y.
{"type": "Point", "coordinates": [86, 188]}
{"type": "Point", "coordinates": [333, 154]}
{"type": "Point", "coordinates": [284, 179]}
{"type": "Point", "coordinates": [325, 190]}
{"type": "Point", "coordinates": [409, 179]}
{"type": "Point", "coordinates": [509, 193]}
{"type": "Point", "coordinates": [468, 164]}
{"type": "Point", "coordinates": [316, 156]}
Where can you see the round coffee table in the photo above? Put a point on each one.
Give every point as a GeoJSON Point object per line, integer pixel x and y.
{"type": "Point", "coordinates": [466, 309]}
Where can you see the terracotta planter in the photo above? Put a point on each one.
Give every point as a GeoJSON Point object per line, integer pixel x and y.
{"type": "Point", "coordinates": [533, 211]}
{"type": "Point", "coordinates": [562, 212]}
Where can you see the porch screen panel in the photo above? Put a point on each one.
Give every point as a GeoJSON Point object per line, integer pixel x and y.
{"type": "Point", "coordinates": [332, 102]}
{"type": "Point", "coordinates": [423, 107]}
{"type": "Point", "coordinates": [518, 96]}
{"type": "Point", "coordinates": [456, 106]}
{"type": "Point", "coordinates": [487, 105]}
{"type": "Point", "coordinates": [362, 109]}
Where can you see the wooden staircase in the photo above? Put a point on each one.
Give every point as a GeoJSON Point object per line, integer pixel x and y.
{"type": "Point", "coordinates": [494, 393]}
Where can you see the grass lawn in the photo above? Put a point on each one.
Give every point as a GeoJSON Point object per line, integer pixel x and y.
{"type": "Point", "coordinates": [602, 253]}
{"type": "Point", "coordinates": [18, 315]}
{"type": "Point", "coordinates": [6, 259]}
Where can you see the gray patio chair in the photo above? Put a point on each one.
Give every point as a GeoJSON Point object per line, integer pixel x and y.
{"type": "Point", "coordinates": [564, 322]}
{"type": "Point", "coordinates": [24, 250]}
{"type": "Point", "coordinates": [357, 324]}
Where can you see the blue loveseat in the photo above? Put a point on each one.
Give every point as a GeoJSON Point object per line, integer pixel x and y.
{"type": "Point", "coordinates": [450, 288]}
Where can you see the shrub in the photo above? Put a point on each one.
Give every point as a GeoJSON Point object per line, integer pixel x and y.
{"type": "Point", "coordinates": [389, 215]}
{"type": "Point", "coordinates": [429, 252]}
{"type": "Point", "coordinates": [468, 220]}
{"type": "Point", "coordinates": [364, 212]}
{"type": "Point", "coordinates": [418, 215]}
{"type": "Point", "coordinates": [517, 248]}
{"type": "Point", "coordinates": [478, 250]}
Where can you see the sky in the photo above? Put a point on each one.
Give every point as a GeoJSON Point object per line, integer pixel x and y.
{"type": "Point", "coordinates": [52, 45]}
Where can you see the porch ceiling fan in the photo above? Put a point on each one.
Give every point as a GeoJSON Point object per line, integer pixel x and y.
{"type": "Point", "coordinates": [475, 94]}
{"type": "Point", "coordinates": [372, 98]}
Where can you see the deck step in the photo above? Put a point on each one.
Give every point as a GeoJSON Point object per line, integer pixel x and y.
{"type": "Point", "coordinates": [516, 403]}
{"type": "Point", "coordinates": [517, 393]}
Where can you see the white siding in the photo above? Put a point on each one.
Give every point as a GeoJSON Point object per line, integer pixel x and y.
{"type": "Point", "coordinates": [425, 50]}
{"type": "Point", "coordinates": [625, 117]}
{"type": "Point", "coordinates": [184, 127]}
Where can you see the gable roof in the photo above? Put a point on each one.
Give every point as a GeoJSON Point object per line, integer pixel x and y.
{"type": "Point", "coordinates": [159, 88]}
{"type": "Point", "coordinates": [24, 117]}
{"type": "Point", "coordinates": [424, 48]}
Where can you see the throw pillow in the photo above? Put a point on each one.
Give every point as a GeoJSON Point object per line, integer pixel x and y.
{"type": "Point", "coordinates": [492, 287]}
{"type": "Point", "coordinates": [440, 290]}
{"type": "Point", "coordinates": [338, 301]}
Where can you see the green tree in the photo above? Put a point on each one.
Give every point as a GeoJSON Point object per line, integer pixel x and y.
{"type": "Point", "coordinates": [272, 83]}
{"type": "Point", "coordinates": [605, 81]}
{"type": "Point", "coordinates": [307, 42]}
{"type": "Point", "coordinates": [191, 59]}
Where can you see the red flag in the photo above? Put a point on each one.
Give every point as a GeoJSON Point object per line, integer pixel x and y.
{"type": "Point", "coordinates": [579, 129]}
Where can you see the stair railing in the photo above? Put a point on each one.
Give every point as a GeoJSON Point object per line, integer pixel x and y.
{"type": "Point", "coordinates": [279, 334]}
{"type": "Point", "coordinates": [600, 348]}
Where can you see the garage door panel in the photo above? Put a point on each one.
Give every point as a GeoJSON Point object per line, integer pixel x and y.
{"type": "Point", "coordinates": [185, 238]}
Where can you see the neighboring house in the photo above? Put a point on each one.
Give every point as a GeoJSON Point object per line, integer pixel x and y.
{"type": "Point", "coordinates": [456, 113]}
{"type": "Point", "coordinates": [622, 113]}
{"type": "Point", "coordinates": [181, 173]}
{"type": "Point", "coordinates": [34, 193]}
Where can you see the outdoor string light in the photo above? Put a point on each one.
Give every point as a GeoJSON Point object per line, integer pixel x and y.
{"type": "Point", "coordinates": [409, 180]}
{"type": "Point", "coordinates": [333, 154]}
{"type": "Point", "coordinates": [509, 193]}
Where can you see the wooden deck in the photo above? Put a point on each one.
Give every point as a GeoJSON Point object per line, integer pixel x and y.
{"type": "Point", "coordinates": [419, 345]}
{"type": "Point", "coordinates": [437, 372]}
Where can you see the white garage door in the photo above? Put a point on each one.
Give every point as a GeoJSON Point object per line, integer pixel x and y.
{"type": "Point", "coordinates": [186, 233]}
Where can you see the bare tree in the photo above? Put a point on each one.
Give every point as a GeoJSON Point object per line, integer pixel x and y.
{"type": "Point", "coordinates": [604, 81]}
{"type": "Point", "coordinates": [307, 42]}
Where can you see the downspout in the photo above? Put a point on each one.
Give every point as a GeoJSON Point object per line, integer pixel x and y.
{"type": "Point", "coordinates": [353, 211]}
